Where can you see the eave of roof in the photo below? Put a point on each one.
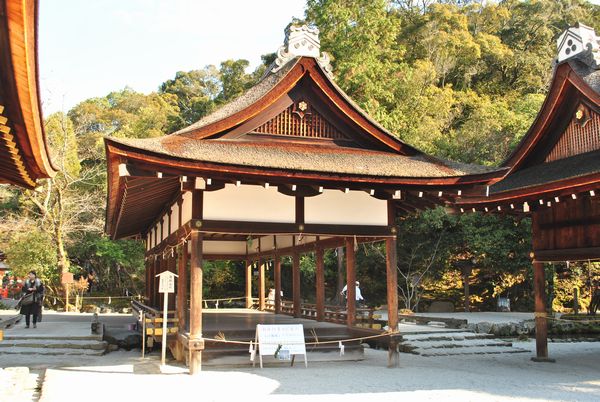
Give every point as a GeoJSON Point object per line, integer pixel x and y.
{"type": "Point", "coordinates": [23, 134]}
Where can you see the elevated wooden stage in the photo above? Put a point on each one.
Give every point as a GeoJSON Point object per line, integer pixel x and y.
{"type": "Point", "coordinates": [239, 325]}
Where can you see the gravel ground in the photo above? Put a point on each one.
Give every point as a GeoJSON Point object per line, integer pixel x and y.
{"type": "Point", "coordinates": [125, 376]}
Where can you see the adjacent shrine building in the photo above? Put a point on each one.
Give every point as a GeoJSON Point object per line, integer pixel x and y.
{"type": "Point", "coordinates": [291, 166]}
{"type": "Point", "coordinates": [553, 175]}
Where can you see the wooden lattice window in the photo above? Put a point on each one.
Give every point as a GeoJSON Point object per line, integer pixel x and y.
{"type": "Point", "coordinates": [300, 120]}
{"type": "Point", "coordinates": [582, 135]}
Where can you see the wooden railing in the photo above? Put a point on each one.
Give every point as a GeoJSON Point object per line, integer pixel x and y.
{"type": "Point", "coordinates": [150, 321]}
{"type": "Point", "coordinates": [365, 317]}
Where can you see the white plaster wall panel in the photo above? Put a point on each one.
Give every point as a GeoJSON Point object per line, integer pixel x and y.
{"type": "Point", "coordinates": [284, 241]}
{"type": "Point", "coordinates": [224, 247]}
{"type": "Point", "coordinates": [186, 208]}
{"type": "Point", "coordinates": [165, 227]}
{"type": "Point", "coordinates": [174, 218]}
{"type": "Point", "coordinates": [253, 246]}
{"type": "Point", "coordinates": [148, 243]}
{"type": "Point", "coordinates": [267, 243]}
{"type": "Point", "coordinates": [339, 208]}
{"type": "Point", "coordinates": [247, 203]}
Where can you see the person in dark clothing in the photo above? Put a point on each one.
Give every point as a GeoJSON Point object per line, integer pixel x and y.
{"type": "Point", "coordinates": [32, 285]}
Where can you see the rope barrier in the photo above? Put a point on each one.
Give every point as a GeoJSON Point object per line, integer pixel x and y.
{"type": "Point", "coordinates": [337, 341]}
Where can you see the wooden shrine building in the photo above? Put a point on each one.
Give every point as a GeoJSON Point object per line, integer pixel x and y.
{"type": "Point", "coordinates": [553, 175]}
{"type": "Point", "coordinates": [291, 166]}
{"type": "Point", "coordinates": [24, 155]}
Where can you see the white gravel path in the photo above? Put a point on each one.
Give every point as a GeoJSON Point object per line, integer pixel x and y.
{"type": "Point", "coordinates": [122, 376]}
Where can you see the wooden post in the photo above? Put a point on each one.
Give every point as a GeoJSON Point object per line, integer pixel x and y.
{"type": "Point", "coordinates": [172, 266]}
{"type": "Point", "coordinates": [392, 297]}
{"type": "Point", "coordinates": [350, 282]}
{"type": "Point", "coordinates": [248, 284]}
{"type": "Point", "coordinates": [320, 282]}
{"type": "Point", "coordinates": [391, 269]}
{"type": "Point", "coordinates": [277, 274]}
{"type": "Point", "coordinates": [261, 285]}
{"type": "Point", "coordinates": [196, 344]}
{"type": "Point", "coordinates": [182, 288]}
{"type": "Point", "coordinates": [541, 321]}
{"type": "Point", "coordinates": [196, 302]}
{"type": "Point", "coordinates": [155, 271]}
{"type": "Point", "coordinates": [161, 269]}
{"type": "Point", "coordinates": [296, 284]}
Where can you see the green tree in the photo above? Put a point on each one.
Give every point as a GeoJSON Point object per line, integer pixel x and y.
{"type": "Point", "coordinates": [195, 92]}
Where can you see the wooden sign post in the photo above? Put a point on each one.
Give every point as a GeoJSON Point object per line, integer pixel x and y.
{"type": "Point", "coordinates": [166, 285]}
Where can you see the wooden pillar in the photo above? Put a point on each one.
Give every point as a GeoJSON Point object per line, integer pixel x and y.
{"type": "Point", "coordinates": [391, 263]}
{"type": "Point", "coordinates": [350, 282]}
{"type": "Point", "coordinates": [541, 322]}
{"type": "Point", "coordinates": [277, 277]}
{"type": "Point", "coordinates": [320, 282]}
{"type": "Point", "coordinates": [182, 288]}
{"type": "Point", "coordinates": [261, 285]}
{"type": "Point", "coordinates": [196, 344]}
{"type": "Point", "coordinates": [296, 284]}
{"type": "Point", "coordinates": [147, 266]}
{"type": "Point", "coordinates": [155, 280]}
{"type": "Point", "coordinates": [248, 284]}
{"type": "Point", "coordinates": [172, 266]}
{"type": "Point", "coordinates": [162, 268]}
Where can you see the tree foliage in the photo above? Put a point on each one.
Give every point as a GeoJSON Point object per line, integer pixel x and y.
{"type": "Point", "coordinates": [461, 79]}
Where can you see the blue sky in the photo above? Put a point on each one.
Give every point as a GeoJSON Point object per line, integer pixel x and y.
{"type": "Point", "coordinates": [89, 48]}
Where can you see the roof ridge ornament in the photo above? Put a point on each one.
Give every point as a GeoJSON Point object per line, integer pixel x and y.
{"type": "Point", "coordinates": [302, 40]}
{"type": "Point", "coordinates": [579, 42]}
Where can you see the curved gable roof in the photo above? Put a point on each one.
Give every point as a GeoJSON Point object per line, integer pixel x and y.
{"type": "Point", "coordinates": [573, 80]}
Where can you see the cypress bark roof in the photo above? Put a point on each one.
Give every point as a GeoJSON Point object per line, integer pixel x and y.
{"type": "Point", "coordinates": [301, 157]}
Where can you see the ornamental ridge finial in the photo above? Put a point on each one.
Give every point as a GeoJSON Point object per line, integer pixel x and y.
{"type": "Point", "coordinates": [302, 40]}
{"type": "Point", "coordinates": [579, 42]}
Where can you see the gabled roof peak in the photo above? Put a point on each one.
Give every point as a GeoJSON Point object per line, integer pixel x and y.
{"type": "Point", "coordinates": [301, 41]}
{"type": "Point", "coordinates": [579, 42]}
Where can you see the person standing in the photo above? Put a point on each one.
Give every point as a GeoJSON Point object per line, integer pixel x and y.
{"type": "Point", "coordinates": [358, 295]}
{"type": "Point", "coordinates": [32, 285]}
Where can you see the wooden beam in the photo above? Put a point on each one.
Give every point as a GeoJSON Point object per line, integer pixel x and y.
{"type": "Point", "coordinates": [320, 282]}
{"type": "Point", "coordinates": [350, 281]}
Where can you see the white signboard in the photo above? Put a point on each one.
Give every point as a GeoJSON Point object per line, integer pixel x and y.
{"type": "Point", "coordinates": [281, 340]}
{"type": "Point", "coordinates": [167, 282]}
{"type": "Point", "coordinates": [166, 285]}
